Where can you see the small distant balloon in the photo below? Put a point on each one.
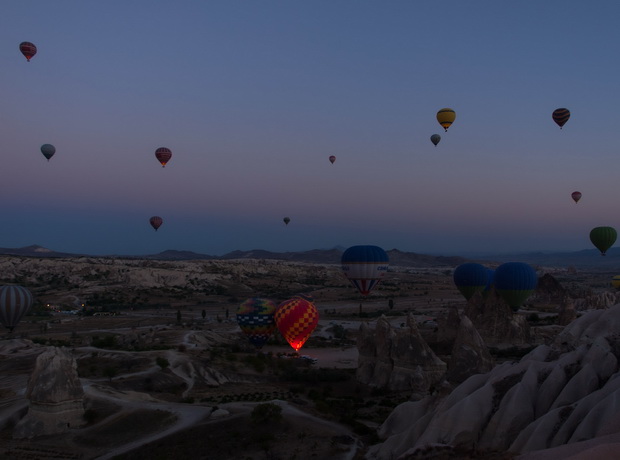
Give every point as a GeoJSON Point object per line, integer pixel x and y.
{"type": "Point", "coordinates": [332, 158]}
{"type": "Point", "coordinates": [446, 117]}
{"type": "Point", "coordinates": [48, 151]}
{"type": "Point", "coordinates": [28, 50]}
{"type": "Point", "coordinates": [603, 238]}
{"type": "Point", "coordinates": [156, 222]}
{"type": "Point", "coordinates": [286, 220]}
{"type": "Point", "coordinates": [435, 138]}
{"type": "Point", "coordinates": [576, 196]}
{"type": "Point", "coordinates": [15, 301]}
{"type": "Point", "coordinates": [163, 155]}
{"type": "Point", "coordinates": [561, 116]}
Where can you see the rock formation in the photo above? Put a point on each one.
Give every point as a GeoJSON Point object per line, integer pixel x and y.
{"type": "Point", "coordinates": [562, 393]}
{"type": "Point", "coordinates": [495, 321]}
{"type": "Point", "coordinates": [397, 359]}
{"type": "Point", "coordinates": [566, 312]}
{"type": "Point", "coordinates": [470, 355]}
{"type": "Point", "coordinates": [55, 395]}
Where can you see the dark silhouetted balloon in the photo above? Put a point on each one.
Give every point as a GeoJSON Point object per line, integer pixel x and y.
{"type": "Point", "coordinates": [435, 138]}
{"type": "Point", "coordinates": [296, 318]}
{"type": "Point", "coordinates": [286, 220]}
{"type": "Point", "coordinates": [156, 222]}
{"type": "Point", "coordinates": [603, 238]}
{"type": "Point", "coordinates": [48, 151]}
{"type": "Point", "coordinates": [561, 116]}
{"type": "Point", "coordinates": [364, 266]}
{"type": "Point", "coordinates": [576, 196]}
{"type": "Point", "coordinates": [163, 155]}
{"type": "Point", "coordinates": [470, 278]}
{"type": "Point", "coordinates": [446, 117]}
{"type": "Point", "coordinates": [255, 317]}
{"type": "Point", "coordinates": [28, 50]}
{"type": "Point", "coordinates": [514, 282]}
{"type": "Point", "coordinates": [15, 301]}
{"type": "Point", "coordinates": [332, 158]}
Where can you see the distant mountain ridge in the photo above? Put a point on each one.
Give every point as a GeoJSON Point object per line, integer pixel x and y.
{"type": "Point", "coordinates": [590, 258]}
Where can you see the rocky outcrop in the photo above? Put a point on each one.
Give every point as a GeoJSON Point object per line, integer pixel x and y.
{"type": "Point", "coordinates": [55, 395]}
{"type": "Point", "coordinates": [495, 321]}
{"type": "Point", "coordinates": [597, 301]}
{"type": "Point", "coordinates": [470, 355]}
{"type": "Point", "coordinates": [397, 359]}
{"type": "Point", "coordinates": [566, 312]}
{"type": "Point", "coordinates": [562, 393]}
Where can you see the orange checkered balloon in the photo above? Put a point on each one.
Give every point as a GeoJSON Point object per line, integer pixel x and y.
{"type": "Point", "coordinates": [296, 318]}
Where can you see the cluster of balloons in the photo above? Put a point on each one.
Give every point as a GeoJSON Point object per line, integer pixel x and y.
{"type": "Point", "coordinates": [15, 302]}
{"type": "Point", "coordinates": [445, 117]}
{"type": "Point", "coordinates": [295, 318]}
{"type": "Point", "coordinates": [513, 281]}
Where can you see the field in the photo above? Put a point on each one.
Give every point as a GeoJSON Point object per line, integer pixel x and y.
{"type": "Point", "coordinates": [172, 375]}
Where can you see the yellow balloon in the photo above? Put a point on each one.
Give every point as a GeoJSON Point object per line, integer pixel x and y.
{"type": "Point", "coordinates": [446, 117]}
{"type": "Point", "coordinates": [615, 281]}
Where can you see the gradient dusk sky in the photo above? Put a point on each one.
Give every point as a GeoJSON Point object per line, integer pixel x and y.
{"type": "Point", "coordinates": [253, 96]}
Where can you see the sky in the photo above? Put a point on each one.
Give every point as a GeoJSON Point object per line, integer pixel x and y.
{"type": "Point", "coordinates": [252, 97]}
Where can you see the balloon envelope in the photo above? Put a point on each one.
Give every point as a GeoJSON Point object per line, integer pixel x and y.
{"type": "Point", "coordinates": [615, 281]}
{"type": "Point", "coordinates": [470, 278]}
{"type": "Point", "coordinates": [603, 238]}
{"type": "Point", "coordinates": [28, 50]}
{"type": "Point", "coordinates": [296, 318]}
{"type": "Point", "coordinates": [286, 220]}
{"type": "Point", "coordinates": [163, 155]}
{"type": "Point", "coordinates": [576, 196]}
{"type": "Point", "coordinates": [48, 151]}
{"type": "Point", "coordinates": [435, 138]}
{"type": "Point", "coordinates": [15, 301]}
{"type": "Point", "coordinates": [332, 159]}
{"type": "Point", "coordinates": [446, 117]}
{"type": "Point", "coordinates": [560, 116]}
{"type": "Point", "coordinates": [255, 317]}
{"type": "Point", "coordinates": [514, 282]}
{"type": "Point", "coordinates": [156, 222]}
{"type": "Point", "coordinates": [364, 266]}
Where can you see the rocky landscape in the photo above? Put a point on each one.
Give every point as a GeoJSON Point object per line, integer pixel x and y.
{"type": "Point", "coordinates": [130, 358]}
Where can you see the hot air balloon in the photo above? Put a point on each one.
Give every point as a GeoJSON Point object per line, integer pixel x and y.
{"type": "Point", "coordinates": [446, 117]}
{"type": "Point", "coordinates": [286, 220]}
{"type": "Point", "coordinates": [470, 278]}
{"type": "Point", "coordinates": [255, 317]}
{"type": "Point", "coordinates": [603, 238]}
{"type": "Point", "coordinates": [163, 155]}
{"type": "Point", "coordinates": [435, 138]}
{"type": "Point", "coordinates": [332, 158]}
{"type": "Point", "coordinates": [364, 266]}
{"type": "Point", "coordinates": [576, 196]}
{"type": "Point", "coordinates": [615, 281]}
{"type": "Point", "coordinates": [28, 49]}
{"type": "Point", "coordinates": [514, 282]}
{"type": "Point", "coordinates": [15, 301]}
{"type": "Point", "coordinates": [156, 222]}
{"type": "Point", "coordinates": [561, 116]}
{"type": "Point", "coordinates": [48, 151]}
{"type": "Point", "coordinates": [296, 318]}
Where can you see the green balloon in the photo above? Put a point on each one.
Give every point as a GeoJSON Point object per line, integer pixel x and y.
{"type": "Point", "coordinates": [603, 238]}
